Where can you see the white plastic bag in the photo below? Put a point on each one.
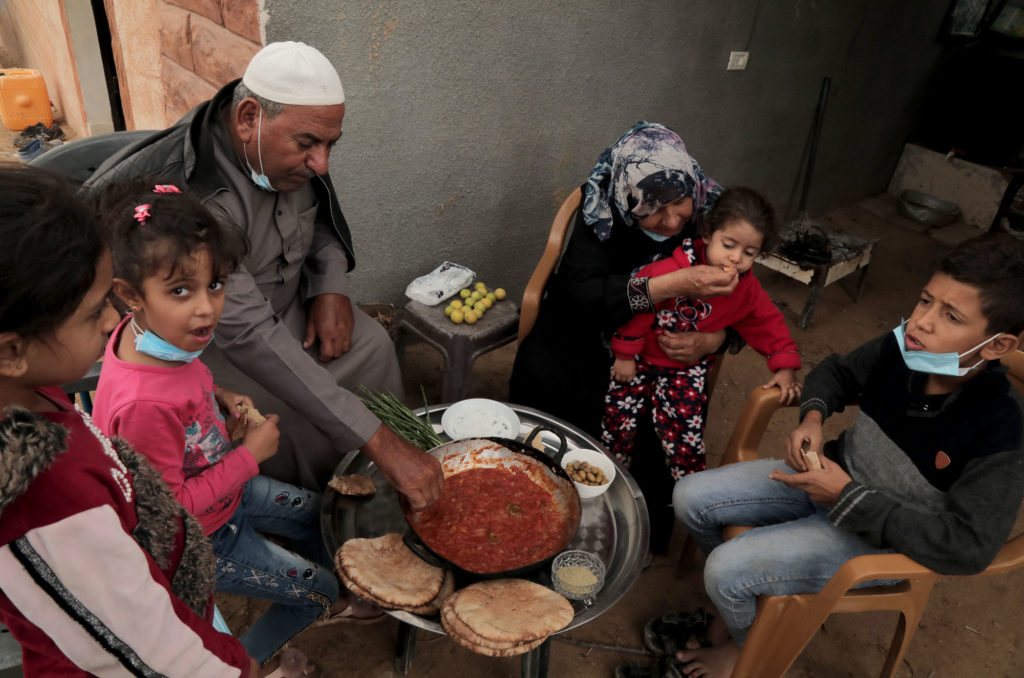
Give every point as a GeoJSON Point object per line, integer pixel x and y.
{"type": "Point", "coordinates": [444, 281]}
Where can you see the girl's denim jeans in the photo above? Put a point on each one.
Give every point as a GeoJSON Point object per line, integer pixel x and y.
{"type": "Point", "coordinates": [301, 587]}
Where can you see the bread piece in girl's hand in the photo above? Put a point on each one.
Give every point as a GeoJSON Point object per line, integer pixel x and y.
{"type": "Point", "coordinates": [238, 427]}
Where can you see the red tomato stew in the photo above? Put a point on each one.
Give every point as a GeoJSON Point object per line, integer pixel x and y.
{"type": "Point", "coordinates": [490, 520]}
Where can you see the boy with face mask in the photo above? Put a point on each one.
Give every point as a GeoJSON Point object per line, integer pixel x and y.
{"type": "Point", "coordinates": [933, 467]}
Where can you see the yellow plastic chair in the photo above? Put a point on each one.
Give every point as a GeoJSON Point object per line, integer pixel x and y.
{"type": "Point", "coordinates": [785, 624]}
{"type": "Point", "coordinates": [548, 260]}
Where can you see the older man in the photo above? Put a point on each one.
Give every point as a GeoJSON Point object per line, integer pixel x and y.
{"type": "Point", "coordinates": [257, 155]}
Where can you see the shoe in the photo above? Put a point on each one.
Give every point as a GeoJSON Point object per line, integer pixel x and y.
{"type": "Point", "coordinates": [31, 151]}
{"type": "Point", "coordinates": [52, 133]}
{"type": "Point", "coordinates": [669, 633]}
{"type": "Point", "coordinates": [347, 616]}
{"type": "Point", "coordinates": [29, 134]}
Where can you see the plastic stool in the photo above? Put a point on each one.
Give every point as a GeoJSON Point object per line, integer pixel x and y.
{"type": "Point", "coordinates": [459, 345]}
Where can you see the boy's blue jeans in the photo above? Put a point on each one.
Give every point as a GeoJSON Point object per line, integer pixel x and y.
{"type": "Point", "coordinates": [301, 587]}
{"type": "Point", "coordinates": [794, 550]}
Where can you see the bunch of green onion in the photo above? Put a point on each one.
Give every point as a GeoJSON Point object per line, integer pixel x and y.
{"type": "Point", "coordinates": [400, 419]}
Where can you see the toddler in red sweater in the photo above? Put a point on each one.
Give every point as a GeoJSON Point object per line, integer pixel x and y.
{"type": "Point", "coordinates": [645, 382]}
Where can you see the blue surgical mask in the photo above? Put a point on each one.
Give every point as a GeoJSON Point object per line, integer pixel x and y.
{"type": "Point", "coordinates": [936, 363]}
{"type": "Point", "coordinates": [148, 343]}
{"type": "Point", "coordinates": [260, 179]}
{"type": "Point", "coordinates": [656, 237]}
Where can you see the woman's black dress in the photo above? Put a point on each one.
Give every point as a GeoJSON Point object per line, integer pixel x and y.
{"type": "Point", "coordinates": [563, 365]}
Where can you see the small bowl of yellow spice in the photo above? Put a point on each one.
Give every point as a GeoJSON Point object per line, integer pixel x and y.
{"type": "Point", "coordinates": [577, 575]}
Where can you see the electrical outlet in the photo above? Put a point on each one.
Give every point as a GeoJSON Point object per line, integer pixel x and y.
{"type": "Point", "coordinates": [737, 61]}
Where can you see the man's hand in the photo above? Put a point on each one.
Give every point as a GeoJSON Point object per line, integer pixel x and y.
{"type": "Point", "coordinates": [699, 282]}
{"type": "Point", "coordinates": [410, 470]}
{"type": "Point", "coordinates": [689, 347]}
{"type": "Point", "coordinates": [330, 320]}
{"type": "Point", "coordinates": [823, 487]}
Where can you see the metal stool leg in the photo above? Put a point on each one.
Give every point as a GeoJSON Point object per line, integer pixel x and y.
{"type": "Point", "coordinates": [405, 648]}
{"type": "Point", "coordinates": [535, 662]}
{"type": "Point", "coordinates": [458, 366]}
{"type": "Point", "coordinates": [817, 285]}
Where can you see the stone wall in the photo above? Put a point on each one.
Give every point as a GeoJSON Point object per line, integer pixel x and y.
{"type": "Point", "coordinates": [36, 36]}
{"type": "Point", "coordinates": [203, 45]}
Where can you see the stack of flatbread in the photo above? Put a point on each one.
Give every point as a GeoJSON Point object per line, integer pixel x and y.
{"type": "Point", "coordinates": [385, 572]}
{"type": "Point", "coordinates": [504, 617]}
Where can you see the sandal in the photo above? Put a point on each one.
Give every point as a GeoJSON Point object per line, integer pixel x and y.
{"type": "Point", "coordinates": [348, 616]}
{"type": "Point", "coordinates": [668, 634]}
{"type": "Point", "coordinates": [292, 663]}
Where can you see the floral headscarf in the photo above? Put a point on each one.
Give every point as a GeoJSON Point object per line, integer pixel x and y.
{"type": "Point", "coordinates": [646, 168]}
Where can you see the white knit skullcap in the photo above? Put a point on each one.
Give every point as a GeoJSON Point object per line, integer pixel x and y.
{"type": "Point", "coordinates": [293, 73]}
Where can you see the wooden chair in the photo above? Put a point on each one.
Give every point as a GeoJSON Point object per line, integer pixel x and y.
{"type": "Point", "coordinates": [785, 624]}
{"type": "Point", "coordinates": [548, 261]}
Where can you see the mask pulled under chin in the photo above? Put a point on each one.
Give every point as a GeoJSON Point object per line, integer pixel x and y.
{"type": "Point", "coordinates": [935, 363]}
{"type": "Point", "coordinates": [656, 237]}
{"type": "Point", "coordinates": [149, 344]}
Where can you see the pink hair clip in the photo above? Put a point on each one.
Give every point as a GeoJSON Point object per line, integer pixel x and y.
{"type": "Point", "coordinates": [166, 188]}
{"type": "Point", "coordinates": [142, 213]}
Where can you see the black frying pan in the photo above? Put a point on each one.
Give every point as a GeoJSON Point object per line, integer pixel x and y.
{"type": "Point", "coordinates": [475, 453]}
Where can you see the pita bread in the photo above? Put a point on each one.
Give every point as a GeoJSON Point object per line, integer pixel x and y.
{"type": "Point", "coordinates": [429, 610]}
{"type": "Point", "coordinates": [465, 637]}
{"type": "Point", "coordinates": [238, 427]}
{"type": "Point", "coordinates": [813, 463]}
{"type": "Point", "coordinates": [251, 415]}
{"type": "Point", "coordinates": [492, 652]}
{"type": "Point", "coordinates": [353, 485]}
{"type": "Point", "coordinates": [511, 610]}
{"type": "Point", "coordinates": [454, 626]}
{"type": "Point", "coordinates": [354, 589]}
{"type": "Point", "coordinates": [388, 571]}
{"type": "Point", "coordinates": [434, 607]}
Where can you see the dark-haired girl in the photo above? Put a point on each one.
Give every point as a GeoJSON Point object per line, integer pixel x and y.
{"type": "Point", "coordinates": [171, 257]}
{"type": "Point", "coordinates": [101, 571]}
{"type": "Point", "coordinates": [646, 382]}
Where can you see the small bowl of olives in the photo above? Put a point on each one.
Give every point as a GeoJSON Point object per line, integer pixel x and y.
{"type": "Point", "coordinates": [591, 472]}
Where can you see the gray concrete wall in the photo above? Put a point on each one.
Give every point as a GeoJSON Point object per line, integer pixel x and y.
{"type": "Point", "coordinates": [467, 122]}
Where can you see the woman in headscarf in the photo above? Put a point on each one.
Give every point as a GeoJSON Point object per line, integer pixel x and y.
{"type": "Point", "coordinates": [643, 196]}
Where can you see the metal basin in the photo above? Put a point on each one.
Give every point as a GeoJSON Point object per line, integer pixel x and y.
{"type": "Point", "coordinates": [927, 209]}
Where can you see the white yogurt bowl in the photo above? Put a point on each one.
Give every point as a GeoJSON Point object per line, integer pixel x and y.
{"type": "Point", "coordinates": [480, 418]}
